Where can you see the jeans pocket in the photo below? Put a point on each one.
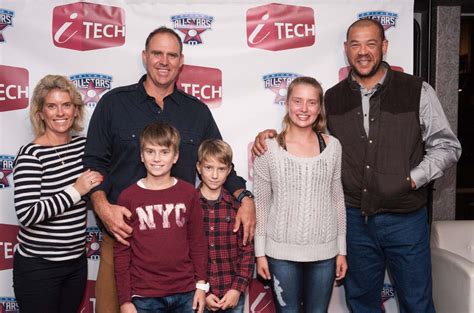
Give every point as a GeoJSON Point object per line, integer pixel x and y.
{"type": "Point", "coordinates": [142, 303]}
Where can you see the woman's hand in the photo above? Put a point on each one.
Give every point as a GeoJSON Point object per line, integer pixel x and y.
{"type": "Point", "coordinates": [87, 180]}
{"type": "Point", "coordinates": [262, 268]}
{"type": "Point", "coordinates": [341, 267]}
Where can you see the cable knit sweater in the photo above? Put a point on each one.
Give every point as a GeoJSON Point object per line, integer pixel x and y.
{"type": "Point", "coordinates": [300, 204]}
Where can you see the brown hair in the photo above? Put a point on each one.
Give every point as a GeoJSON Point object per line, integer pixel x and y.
{"type": "Point", "coordinates": [162, 134]}
{"type": "Point", "coordinates": [164, 30]}
{"type": "Point", "coordinates": [215, 148]}
{"type": "Point", "coordinates": [44, 86]}
{"type": "Point", "coordinates": [319, 124]}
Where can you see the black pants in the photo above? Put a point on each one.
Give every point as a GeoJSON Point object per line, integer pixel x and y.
{"type": "Point", "coordinates": [49, 286]}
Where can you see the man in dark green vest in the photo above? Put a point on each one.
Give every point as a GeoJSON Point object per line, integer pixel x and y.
{"type": "Point", "coordinates": [396, 139]}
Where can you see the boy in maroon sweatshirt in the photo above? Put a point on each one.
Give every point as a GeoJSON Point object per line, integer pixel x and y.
{"type": "Point", "coordinates": [164, 267]}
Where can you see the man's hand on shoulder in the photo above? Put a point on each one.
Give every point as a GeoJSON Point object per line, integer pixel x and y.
{"type": "Point", "coordinates": [259, 146]}
{"type": "Point", "coordinates": [112, 216]}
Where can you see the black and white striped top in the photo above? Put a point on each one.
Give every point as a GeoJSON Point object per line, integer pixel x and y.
{"type": "Point", "coordinates": [50, 211]}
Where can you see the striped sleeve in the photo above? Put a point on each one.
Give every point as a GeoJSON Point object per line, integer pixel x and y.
{"type": "Point", "coordinates": [31, 208]}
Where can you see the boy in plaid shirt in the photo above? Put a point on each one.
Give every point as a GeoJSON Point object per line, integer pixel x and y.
{"type": "Point", "coordinates": [231, 264]}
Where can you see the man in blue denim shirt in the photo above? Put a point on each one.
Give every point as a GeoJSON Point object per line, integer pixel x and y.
{"type": "Point", "coordinates": [113, 146]}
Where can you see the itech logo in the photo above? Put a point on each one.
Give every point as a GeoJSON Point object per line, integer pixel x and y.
{"type": "Point", "coordinates": [387, 293]}
{"type": "Point", "coordinates": [87, 26]}
{"type": "Point", "coordinates": [6, 19]}
{"type": "Point", "coordinates": [344, 71]}
{"type": "Point", "coordinates": [91, 86]}
{"type": "Point", "coordinates": [88, 301]}
{"type": "Point", "coordinates": [278, 84]}
{"type": "Point", "coordinates": [278, 27]}
{"type": "Point", "coordinates": [260, 298]}
{"type": "Point", "coordinates": [6, 168]}
{"type": "Point", "coordinates": [8, 305]}
{"type": "Point", "coordinates": [192, 26]}
{"type": "Point", "coordinates": [8, 245]}
{"type": "Point", "coordinates": [93, 242]}
{"type": "Point", "coordinates": [204, 83]}
{"type": "Point", "coordinates": [387, 19]}
{"type": "Point", "coordinates": [13, 88]}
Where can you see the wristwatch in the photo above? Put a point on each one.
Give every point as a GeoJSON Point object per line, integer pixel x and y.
{"type": "Point", "coordinates": [245, 193]}
{"type": "Point", "coordinates": [203, 286]}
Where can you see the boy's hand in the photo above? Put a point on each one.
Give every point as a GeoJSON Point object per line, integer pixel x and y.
{"type": "Point", "coordinates": [199, 301]}
{"type": "Point", "coordinates": [262, 267]}
{"type": "Point", "coordinates": [230, 299]}
{"type": "Point", "coordinates": [247, 217]}
{"type": "Point", "coordinates": [212, 302]}
{"type": "Point", "coordinates": [128, 307]}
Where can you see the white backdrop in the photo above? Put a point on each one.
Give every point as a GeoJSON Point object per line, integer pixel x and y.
{"type": "Point", "coordinates": [239, 56]}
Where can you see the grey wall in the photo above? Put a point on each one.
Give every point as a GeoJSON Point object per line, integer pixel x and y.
{"type": "Point", "coordinates": [445, 47]}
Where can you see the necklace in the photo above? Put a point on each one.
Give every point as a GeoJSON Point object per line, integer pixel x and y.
{"type": "Point", "coordinates": [59, 156]}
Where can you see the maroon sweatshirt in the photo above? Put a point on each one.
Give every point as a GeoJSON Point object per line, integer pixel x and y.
{"type": "Point", "coordinates": [168, 247]}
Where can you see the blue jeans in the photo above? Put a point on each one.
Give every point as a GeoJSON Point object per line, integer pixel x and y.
{"type": "Point", "coordinates": [398, 242]}
{"type": "Point", "coordinates": [297, 282]}
{"type": "Point", "coordinates": [239, 308]}
{"type": "Point", "coordinates": [176, 303]}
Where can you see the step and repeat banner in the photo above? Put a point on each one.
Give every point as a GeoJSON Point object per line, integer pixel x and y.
{"type": "Point", "coordinates": [240, 57]}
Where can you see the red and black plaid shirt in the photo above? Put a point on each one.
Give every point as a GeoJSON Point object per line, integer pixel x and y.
{"type": "Point", "coordinates": [230, 264]}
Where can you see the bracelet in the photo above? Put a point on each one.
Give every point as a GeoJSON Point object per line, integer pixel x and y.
{"type": "Point", "coordinates": [245, 193]}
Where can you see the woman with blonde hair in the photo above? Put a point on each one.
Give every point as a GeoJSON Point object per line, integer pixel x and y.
{"type": "Point", "coordinates": [50, 265]}
{"type": "Point", "coordinates": [300, 236]}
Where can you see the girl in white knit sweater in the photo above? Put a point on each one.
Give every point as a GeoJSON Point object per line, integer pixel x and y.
{"type": "Point", "coordinates": [300, 239]}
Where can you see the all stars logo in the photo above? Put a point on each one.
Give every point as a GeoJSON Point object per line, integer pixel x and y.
{"type": "Point", "coordinates": [387, 19]}
{"type": "Point", "coordinates": [278, 84]}
{"type": "Point", "coordinates": [387, 293]}
{"type": "Point", "coordinates": [92, 86]}
{"type": "Point", "coordinates": [6, 19]}
{"type": "Point", "coordinates": [192, 26]}
{"type": "Point", "coordinates": [6, 169]}
{"type": "Point", "coordinates": [8, 305]}
{"type": "Point", "coordinates": [93, 241]}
